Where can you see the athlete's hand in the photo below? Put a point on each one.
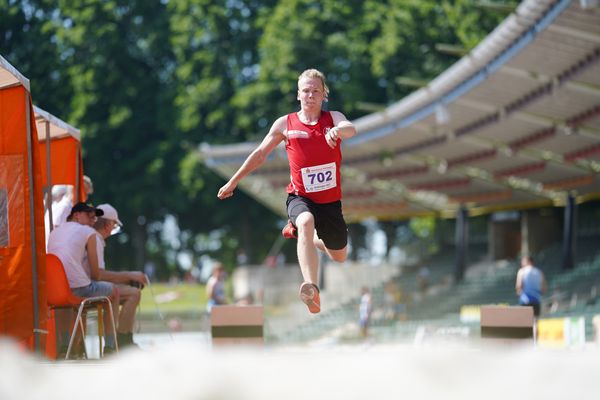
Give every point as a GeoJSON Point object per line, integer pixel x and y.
{"type": "Point", "coordinates": [332, 137]}
{"type": "Point", "coordinates": [226, 191]}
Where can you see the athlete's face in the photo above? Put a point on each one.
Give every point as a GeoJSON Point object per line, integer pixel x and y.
{"type": "Point", "coordinates": [311, 92]}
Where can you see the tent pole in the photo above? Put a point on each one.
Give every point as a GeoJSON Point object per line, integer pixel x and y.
{"type": "Point", "coordinates": [568, 248]}
{"type": "Point", "coordinates": [462, 237]}
{"type": "Point", "coordinates": [34, 277]}
{"type": "Point", "coordinates": [48, 179]}
{"type": "Point", "coordinates": [77, 172]}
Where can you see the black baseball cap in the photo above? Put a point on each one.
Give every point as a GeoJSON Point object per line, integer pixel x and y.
{"type": "Point", "coordinates": [84, 207]}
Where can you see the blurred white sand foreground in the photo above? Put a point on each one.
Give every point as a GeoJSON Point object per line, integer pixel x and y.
{"type": "Point", "coordinates": [365, 372]}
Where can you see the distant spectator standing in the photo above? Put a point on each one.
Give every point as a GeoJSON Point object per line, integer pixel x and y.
{"type": "Point", "coordinates": [215, 287]}
{"type": "Point", "coordinates": [62, 201]}
{"type": "Point", "coordinates": [389, 301]}
{"type": "Point", "coordinates": [423, 278]}
{"type": "Point", "coordinates": [88, 187]}
{"type": "Point", "coordinates": [530, 285]}
{"type": "Point", "coordinates": [364, 311]}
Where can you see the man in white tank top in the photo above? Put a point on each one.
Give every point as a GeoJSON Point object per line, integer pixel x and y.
{"type": "Point", "coordinates": [69, 243]}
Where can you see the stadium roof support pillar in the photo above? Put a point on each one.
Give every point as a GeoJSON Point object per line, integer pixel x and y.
{"type": "Point", "coordinates": [568, 252]}
{"type": "Point", "coordinates": [462, 235]}
{"type": "Point", "coordinates": [322, 265]}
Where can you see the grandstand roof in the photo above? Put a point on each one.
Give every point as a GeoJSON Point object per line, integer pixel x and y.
{"type": "Point", "coordinates": [513, 124]}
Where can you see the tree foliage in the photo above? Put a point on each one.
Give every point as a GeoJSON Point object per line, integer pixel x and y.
{"type": "Point", "coordinates": [147, 82]}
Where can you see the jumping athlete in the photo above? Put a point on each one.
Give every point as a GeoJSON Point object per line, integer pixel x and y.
{"type": "Point", "coordinates": [312, 140]}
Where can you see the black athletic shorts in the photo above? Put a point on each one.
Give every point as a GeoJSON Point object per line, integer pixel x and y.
{"type": "Point", "coordinates": [329, 221]}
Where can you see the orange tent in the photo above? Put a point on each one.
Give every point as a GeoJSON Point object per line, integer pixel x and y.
{"type": "Point", "coordinates": [23, 309]}
{"type": "Point", "coordinates": [60, 155]}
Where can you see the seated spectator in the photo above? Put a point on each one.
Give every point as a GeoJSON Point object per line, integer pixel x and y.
{"type": "Point", "coordinates": [74, 243]}
{"type": "Point", "coordinates": [128, 283]}
{"type": "Point", "coordinates": [69, 242]}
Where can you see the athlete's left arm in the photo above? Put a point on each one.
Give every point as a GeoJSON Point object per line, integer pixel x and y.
{"type": "Point", "coordinates": [345, 128]}
{"type": "Point", "coordinates": [342, 129]}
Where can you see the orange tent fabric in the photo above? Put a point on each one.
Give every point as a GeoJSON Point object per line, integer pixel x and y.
{"type": "Point", "coordinates": [17, 241]}
{"type": "Point", "coordinates": [65, 154]}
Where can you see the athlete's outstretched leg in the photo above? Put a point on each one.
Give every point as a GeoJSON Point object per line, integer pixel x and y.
{"type": "Point", "coordinates": [307, 252]}
{"type": "Point", "coordinates": [308, 258]}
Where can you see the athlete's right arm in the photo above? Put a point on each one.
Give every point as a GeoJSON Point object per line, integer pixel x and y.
{"type": "Point", "coordinates": [275, 136]}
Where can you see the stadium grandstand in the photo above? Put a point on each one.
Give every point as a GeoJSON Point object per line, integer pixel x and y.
{"type": "Point", "coordinates": [508, 135]}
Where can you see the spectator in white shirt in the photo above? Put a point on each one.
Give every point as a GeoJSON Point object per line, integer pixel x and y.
{"type": "Point", "coordinates": [128, 283]}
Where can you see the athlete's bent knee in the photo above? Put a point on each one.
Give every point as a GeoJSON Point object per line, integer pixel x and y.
{"type": "Point", "coordinates": [338, 255]}
{"type": "Point", "coordinates": [340, 259]}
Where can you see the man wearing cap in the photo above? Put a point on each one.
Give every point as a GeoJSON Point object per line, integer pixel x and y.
{"type": "Point", "coordinates": [128, 295]}
{"type": "Point", "coordinates": [70, 242]}
{"type": "Point", "coordinates": [74, 243]}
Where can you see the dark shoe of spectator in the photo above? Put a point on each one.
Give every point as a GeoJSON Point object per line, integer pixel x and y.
{"type": "Point", "coordinates": [125, 340]}
{"type": "Point", "coordinates": [108, 350]}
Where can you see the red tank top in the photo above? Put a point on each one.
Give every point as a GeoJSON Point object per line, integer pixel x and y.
{"type": "Point", "coordinates": [314, 166]}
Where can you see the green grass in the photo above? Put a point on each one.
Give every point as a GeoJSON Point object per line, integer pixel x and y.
{"type": "Point", "coordinates": [173, 299]}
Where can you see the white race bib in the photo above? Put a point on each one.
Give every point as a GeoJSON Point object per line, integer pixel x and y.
{"type": "Point", "coordinates": [319, 177]}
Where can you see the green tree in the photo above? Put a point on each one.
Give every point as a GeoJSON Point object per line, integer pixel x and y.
{"type": "Point", "coordinates": [28, 41]}
{"type": "Point", "coordinates": [117, 56]}
{"type": "Point", "coordinates": [215, 44]}
{"type": "Point", "coordinates": [215, 48]}
{"type": "Point", "coordinates": [148, 82]}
